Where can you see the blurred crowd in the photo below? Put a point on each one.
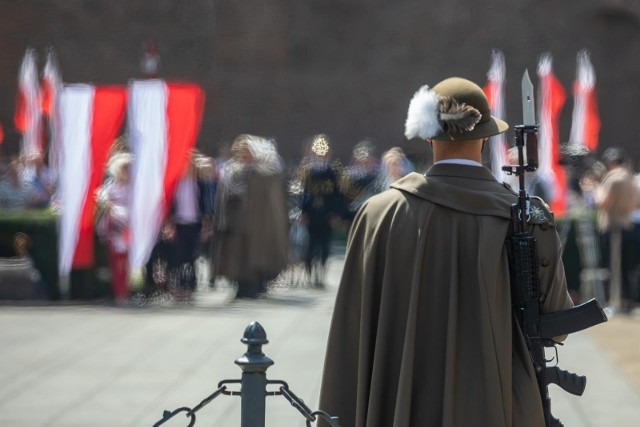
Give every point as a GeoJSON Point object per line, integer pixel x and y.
{"type": "Point", "coordinates": [250, 219]}
{"type": "Point", "coordinates": [26, 183]}
{"type": "Point", "coordinates": [602, 228]}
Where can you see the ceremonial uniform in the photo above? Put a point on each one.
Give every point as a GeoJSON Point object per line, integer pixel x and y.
{"type": "Point", "coordinates": [423, 333]}
{"type": "Point", "coordinates": [417, 346]}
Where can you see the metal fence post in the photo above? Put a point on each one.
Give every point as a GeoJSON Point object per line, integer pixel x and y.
{"type": "Point", "coordinates": [254, 365]}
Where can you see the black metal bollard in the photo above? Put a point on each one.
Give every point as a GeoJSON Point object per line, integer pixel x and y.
{"type": "Point", "coordinates": [254, 365]}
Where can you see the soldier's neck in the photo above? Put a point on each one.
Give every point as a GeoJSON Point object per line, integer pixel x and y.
{"type": "Point", "coordinates": [468, 150]}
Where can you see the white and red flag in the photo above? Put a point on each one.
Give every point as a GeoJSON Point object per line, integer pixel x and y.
{"type": "Point", "coordinates": [585, 123]}
{"type": "Point", "coordinates": [49, 92]}
{"type": "Point", "coordinates": [90, 117]}
{"type": "Point", "coordinates": [551, 99]}
{"type": "Point", "coordinates": [163, 121]}
{"type": "Point", "coordinates": [494, 89]}
{"type": "Point", "coordinates": [27, 118]}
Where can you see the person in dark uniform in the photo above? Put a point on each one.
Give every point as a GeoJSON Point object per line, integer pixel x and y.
{"type": "Point", "coordinates": [321, 204]}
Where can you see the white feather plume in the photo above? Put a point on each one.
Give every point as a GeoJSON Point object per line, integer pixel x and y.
{"type": "Point", "coordinates": [422, 117]}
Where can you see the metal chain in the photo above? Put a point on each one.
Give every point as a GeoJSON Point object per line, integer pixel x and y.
{"type": "Point", "coordinates": [283, 390]}
{"type": "Point", "coordinates": [191, 413]}
{"type": "Point", "coordinates": [299, 404]}
{"type": "Point", "coordinates": [167, 415]}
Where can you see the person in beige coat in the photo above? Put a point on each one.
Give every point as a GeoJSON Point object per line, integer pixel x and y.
{"type": "Point", "coordinates": [616, 198]}
{"type": "Point", "coordinates": [252, 235]}
{"type": "Point", "coordinates": [422, 331]}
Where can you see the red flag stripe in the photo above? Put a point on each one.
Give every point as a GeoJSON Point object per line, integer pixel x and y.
{"type": "Point", "coordinates": [108, 114]}
{"type": "Point", "coordinates": [592, 121]}
{"type": "Point", "coordinates": [20, 118]}
{"type": "Point", "coordinates": [555, 99]}
{"type": "Point", "coordinates": [488, 91]}
{"type": "Point", "coordinates": [185, 103]}
{"type": "Point", "coordinates": [46, 97]}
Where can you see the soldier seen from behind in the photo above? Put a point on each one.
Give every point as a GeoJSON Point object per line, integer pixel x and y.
{"type": "Point", "coordinates": [423, 332]}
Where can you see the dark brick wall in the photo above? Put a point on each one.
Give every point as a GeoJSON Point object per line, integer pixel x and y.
{"type": "Point", "coordinates": [288, 69]}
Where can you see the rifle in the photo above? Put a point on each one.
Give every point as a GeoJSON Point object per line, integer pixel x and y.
{"type": "Point", "coordinates": [539, 329]}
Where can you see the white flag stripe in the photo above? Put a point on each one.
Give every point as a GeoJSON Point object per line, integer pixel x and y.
{"type": "Point", "coordinates": [76, 110]}
{"type": "Point", "coordinates": [585, 81]}
{"type": "Point", "coordinates": [545, 132]}
{"type": "Point", "coordinates": [147, 131]}
{"type": "Point", "coordinates": [29, 86]}
{"type": "Point", "coordinates": [52, 76]}
{"type": "Point", "coordinates": [498, 142]}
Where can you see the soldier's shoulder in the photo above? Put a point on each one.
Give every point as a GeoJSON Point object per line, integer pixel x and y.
{"type": "Point", "coordinates": [381, 204]}
{"type": "Point", "coordinates": [509, 188]}
{"type": "Point", "coordinates": [539, 212]}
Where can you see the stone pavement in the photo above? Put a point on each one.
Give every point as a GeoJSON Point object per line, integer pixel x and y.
{"type": "Point", "coordinates": [80, 365]}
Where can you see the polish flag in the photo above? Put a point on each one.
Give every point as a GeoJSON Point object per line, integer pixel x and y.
{"type": "Point", "coordinates": [551, 98]}
{"type": "Point", "coordinates": [163, 122]}
{"type": "Point", "coordinates": [90, 117]}
{"type": "Point", "coordinates": [585, 123]}
{"type": "Point", "coordinates": [494, 89]}
{"type": "Point", "coordinates": [27, 118]}
{"type": "Point", "coordinates": [49, 92]}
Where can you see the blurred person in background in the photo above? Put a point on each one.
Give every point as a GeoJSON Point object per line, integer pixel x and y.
{"type": "Point", "coordinates": [21, 245]}
{"type": "Point", "coordinates": [635, 260]}
{"type": "Point", "coordinates": [113, 199]}
{"type": "Point", "coordinates": [40, 179]}
{"type": "Point", "coordinates": [581, 251]}
{"type": "Point", "coordinates": [360, 179]}
{"type": "Point", "coordinates": [578, 164]}
{"type": "Point", "coordinates": [15, 194]}
{"type": "Point", "coordinates": [616, 198]}
{"type": "Point", "coordinates": [394, 165]}
{"type": "Point", "coordinates": [188, 212]}
{"type": "Point", "coordinates": [252, 223]}
{"type": "Point", "coordinates": [20, 279]}
{"type": "Point", "coordinates": [589, 182]}
{"type": "Point", "coordinates": [207, 177]}
{"type": "Point", "coordinates": [321, 205]}
{"type": "Point", "coordinates": [157, 267]}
